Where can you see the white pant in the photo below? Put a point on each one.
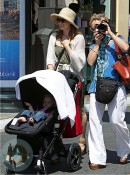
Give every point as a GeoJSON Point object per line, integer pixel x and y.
{"type": "Point", "coordinates": [116, 112]}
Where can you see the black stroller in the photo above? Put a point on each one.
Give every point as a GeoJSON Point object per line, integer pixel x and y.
{"type": "Point", "coordinates": [48, 133]}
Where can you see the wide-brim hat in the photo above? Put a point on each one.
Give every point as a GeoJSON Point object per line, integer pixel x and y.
{"type": "Point", "coordinates": [67, 14]}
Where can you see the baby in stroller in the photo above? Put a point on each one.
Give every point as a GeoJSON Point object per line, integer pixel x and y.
{"type": "Point", "coordinates": [49, 132]}
{"type": "Point", "coordinates": [32, 116]}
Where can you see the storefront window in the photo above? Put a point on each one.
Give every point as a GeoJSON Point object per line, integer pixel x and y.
{"type": "Point", "coordinates": [11, 13]}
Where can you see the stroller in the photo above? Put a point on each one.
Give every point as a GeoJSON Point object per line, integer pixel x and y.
{"type": "Point", "coordinates": [65, 87]}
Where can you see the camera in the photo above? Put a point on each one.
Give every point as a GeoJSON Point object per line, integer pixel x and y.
{"type": "Point", "coordinates": [102, 28]}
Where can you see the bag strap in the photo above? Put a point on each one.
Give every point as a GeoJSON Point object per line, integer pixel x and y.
{"type": "Point", "coordinates": [59, 57]}
{"type": "Point", "coordinates": [118, 52]}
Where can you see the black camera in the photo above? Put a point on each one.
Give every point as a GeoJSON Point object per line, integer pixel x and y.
{"type": "Point", "coordinates": [102, 28]}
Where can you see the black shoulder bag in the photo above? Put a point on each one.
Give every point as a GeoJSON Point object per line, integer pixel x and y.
{"type": "Point", "coordinates": [106, 89]}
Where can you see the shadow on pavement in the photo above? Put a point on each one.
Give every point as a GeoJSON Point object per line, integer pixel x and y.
{"type": "Point", "coordinates": [113, 158]}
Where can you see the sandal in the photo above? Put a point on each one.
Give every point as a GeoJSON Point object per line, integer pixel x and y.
{"type": "Point", "coordinates": [83, 146]}
{"type": "Point", "coordinates": [123, 160]}
{"type": "Point", "coordinates": [94, 166]}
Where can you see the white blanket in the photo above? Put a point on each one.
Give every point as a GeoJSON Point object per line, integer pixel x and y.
{"type": "Point", "coordinates": [57, 85]}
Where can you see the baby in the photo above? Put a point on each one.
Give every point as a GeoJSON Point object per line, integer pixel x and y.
{"type": "Point", "coordinates": [31, 115]}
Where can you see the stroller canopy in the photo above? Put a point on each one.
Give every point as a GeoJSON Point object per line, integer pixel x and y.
{"type": "Point", "coordinates": [57, 85]}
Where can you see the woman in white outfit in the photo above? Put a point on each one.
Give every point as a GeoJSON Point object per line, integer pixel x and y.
{"type": "Point", "coordinates": [102, 56]}
{"type": "Point", "coordinates": [69, 43]}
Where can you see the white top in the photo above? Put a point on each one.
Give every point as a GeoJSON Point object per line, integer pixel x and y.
{"type": "Point", "coordinates": [57, 85]}
{"type": "Point", "coordinates": [77, 56]}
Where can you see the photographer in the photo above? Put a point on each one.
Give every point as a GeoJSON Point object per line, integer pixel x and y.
{"type": "Point", "coordinates": [102, 56]}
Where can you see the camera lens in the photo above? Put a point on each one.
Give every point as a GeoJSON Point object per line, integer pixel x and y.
{"type": "Point", "coordinates": [102, 28]}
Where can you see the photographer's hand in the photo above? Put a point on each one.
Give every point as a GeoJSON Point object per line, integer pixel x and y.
{"type": "Point", "coordinates": [98, 37]}
{"type": "Point", "coordinates": [108, 31]}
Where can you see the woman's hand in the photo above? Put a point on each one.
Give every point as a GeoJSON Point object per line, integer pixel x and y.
{"type": "Point", "coordinates": [65, 42]}
{"type": "Point", "coordinates": [108, 32]}
{"type": "Point", "coordinates": [50, 67]}
{"type": "Point", "coordinates": [98, 37]}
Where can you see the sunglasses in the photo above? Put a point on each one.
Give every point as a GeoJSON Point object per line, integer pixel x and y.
{"type": "Point", "coordinates": [61, 20]}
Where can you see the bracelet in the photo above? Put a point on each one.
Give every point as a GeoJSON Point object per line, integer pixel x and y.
{"type": "Point", "coordinates": [94, 51]}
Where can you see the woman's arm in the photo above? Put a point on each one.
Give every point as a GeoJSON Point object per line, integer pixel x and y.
{"type": "Point", "coordinates": [93, 52]}
{"type": "Point", "coordinates": [123, 45]}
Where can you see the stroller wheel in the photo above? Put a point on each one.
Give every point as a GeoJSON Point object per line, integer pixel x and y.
{"type": "Point", "coordinates": [74, 157]}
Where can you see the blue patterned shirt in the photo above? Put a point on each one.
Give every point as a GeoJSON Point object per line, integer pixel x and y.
{"type": "Point", "coordinates": [110, 59]}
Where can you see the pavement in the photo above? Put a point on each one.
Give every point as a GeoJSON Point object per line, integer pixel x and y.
{"type": "Point", "coordinates": [113, 167]}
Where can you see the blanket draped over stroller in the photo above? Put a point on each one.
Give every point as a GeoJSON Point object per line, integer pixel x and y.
{"type": "Point", "coordinates": [57, 85]}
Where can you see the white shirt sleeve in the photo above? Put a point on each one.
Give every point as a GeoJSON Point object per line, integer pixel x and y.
{"type": "Point", "coordinates": [77, 56]}
{"type": "Point", "coordinates": [51, 57]}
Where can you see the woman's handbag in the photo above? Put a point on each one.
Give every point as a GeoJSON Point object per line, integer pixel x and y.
{"type": "Point", "coordinates": [122, 66]}
{"type": "Point", "coordinates": [106, 89]}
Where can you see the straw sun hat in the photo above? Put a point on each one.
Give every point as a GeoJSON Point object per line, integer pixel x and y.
{"type": "Point", "coordinates": [67, 14]}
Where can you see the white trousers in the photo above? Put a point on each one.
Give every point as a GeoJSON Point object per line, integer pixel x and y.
{"type": "Point", "coordinates": [116, 112]}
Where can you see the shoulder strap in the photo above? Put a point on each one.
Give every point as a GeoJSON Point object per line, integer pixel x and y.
{"type": "Point", "coordinates": [59, 57]}
{"type": "Point", "coordinates": [118, 51]}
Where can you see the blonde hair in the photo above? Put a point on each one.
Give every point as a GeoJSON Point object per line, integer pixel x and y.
{"type": "Point", "coordinates": [99, 17]}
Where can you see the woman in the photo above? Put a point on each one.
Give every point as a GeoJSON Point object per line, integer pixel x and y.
{"type": "Point", "coordinates": [102, 56]}
{"type": "Point", "coordinates": [68, 44]}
